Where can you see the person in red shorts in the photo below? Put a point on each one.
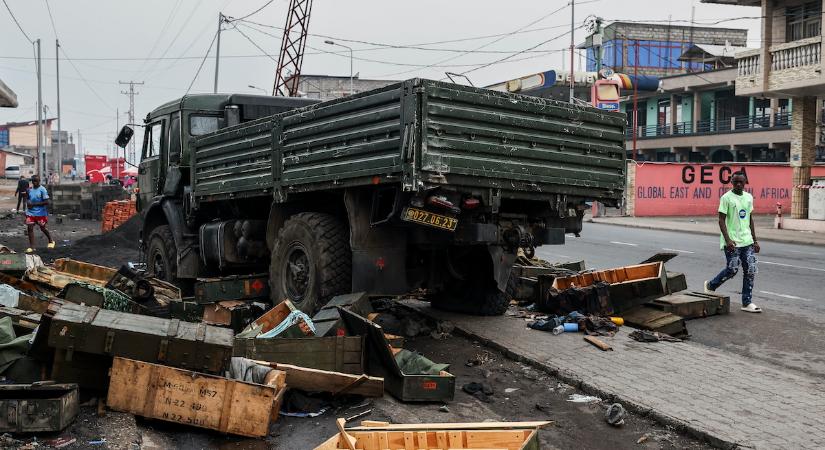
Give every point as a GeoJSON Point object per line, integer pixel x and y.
{"type": "Point", "coordinates": [37, 214]}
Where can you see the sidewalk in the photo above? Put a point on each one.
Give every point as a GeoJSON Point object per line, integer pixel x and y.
{"type": "Point", "coordinates": [725, 398]}
{"type": "Point", "coordinates": [710, 225]}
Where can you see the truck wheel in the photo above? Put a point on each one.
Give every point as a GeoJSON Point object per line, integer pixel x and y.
{"type": "Point", "coordinates": [161, 254]}
{"type": "Point", "coordinates": [311, 261]}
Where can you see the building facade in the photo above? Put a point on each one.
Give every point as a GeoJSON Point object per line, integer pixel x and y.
{"type": "Point", "coordinates": [698, 117]}
{"type": "Point", "coordinates": [789, 65]}
{"type": "Point", "coordinates": [654, 49]}
{"type": "Point", "coordinates": [325, 87]}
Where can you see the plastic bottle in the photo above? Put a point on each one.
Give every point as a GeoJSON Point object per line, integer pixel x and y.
{"type": "Point", "coordinates": [558, 330]}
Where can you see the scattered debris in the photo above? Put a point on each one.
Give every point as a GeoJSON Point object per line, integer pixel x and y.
{"type": "Point", "coordinates": [652, 336]}
{"type": "Point", "coordinates": [615, 414]}
{"type": "Point", "coordinates": [579, 398]}
{"type": "Point", "coordinates": [443, 408]}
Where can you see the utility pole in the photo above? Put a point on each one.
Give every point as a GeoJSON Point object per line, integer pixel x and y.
{"type": "Point", "coordinates": [598, 41]}
{"type": "Point", "coordinates": [59, 158]}
{"type": "Point", "coordinates": [218, 52]}
{"type": "Point", "coordinates": [131, 93]}
{"type": "Point", "coordinates": [635, 100]}
{"type": "Point", "coordinates": [572, 48]}
{"type": "Point", "coordinates": [39, 115]}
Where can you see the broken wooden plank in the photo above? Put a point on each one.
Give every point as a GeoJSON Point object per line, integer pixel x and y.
{"type": "Point", "coordinates": [598, 343]}
{"type": "Point", "coordinates": [306, 379]}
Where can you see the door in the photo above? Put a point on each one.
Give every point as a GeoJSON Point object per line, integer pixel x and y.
{"type": "Point", "coordinates": [150, 170]}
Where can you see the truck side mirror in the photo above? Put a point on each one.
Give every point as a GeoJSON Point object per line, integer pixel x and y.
{"type": "Point", "coordinates": [124, 136]}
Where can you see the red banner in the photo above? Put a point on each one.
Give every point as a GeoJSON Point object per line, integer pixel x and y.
{"type": "Point", "coordinates": [682, 189]}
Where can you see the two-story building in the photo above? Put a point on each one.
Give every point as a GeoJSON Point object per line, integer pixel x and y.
{"type": "Point", "coordinates": [697, 116]}
{"type": "Point", "coordinates": [789, 65]}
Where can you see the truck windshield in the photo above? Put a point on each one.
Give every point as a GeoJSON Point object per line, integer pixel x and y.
{"type": "Point", "coordinates": [199, 125]}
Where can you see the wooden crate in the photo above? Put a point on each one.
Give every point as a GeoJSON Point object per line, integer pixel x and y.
{"type": "Point", "coordinates": [191, 398]}
{"type": "Point", "coordinates": [334, 353]}
{"type": "Point", "coordinates": [89, 329]}
{"type": "Point", "coordinates": [487, 435]}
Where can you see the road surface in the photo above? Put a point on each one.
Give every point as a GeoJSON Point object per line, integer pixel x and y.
{"type": "Point", "coordinates": [789, 288]}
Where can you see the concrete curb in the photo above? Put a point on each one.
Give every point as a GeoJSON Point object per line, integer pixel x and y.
{"type": "Point", "coordinates": [588, 388]}
{"type": "Point", "coordinates": [800, 241]}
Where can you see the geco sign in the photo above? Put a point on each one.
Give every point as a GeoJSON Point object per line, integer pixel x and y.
{"type": "Point", "coordinates": [681, 189]}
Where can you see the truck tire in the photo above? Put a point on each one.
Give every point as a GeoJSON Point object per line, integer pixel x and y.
{"type": "Point", "coordinates": [311, 261]}
{"type": "Point", "coordinates": [161, 254]}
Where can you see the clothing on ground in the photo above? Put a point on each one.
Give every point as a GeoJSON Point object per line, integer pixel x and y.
{"type": "Point", "coordinates": [737, 210]}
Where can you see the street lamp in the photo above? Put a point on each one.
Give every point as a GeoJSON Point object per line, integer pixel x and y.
{"type": "Point", "coordinates": [256, 87]}
{"type": "Point", "coordinates": [351, 91]}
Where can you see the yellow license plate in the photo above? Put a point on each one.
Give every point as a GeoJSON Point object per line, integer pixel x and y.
{"type": "Point", "coordinates": [429, 219]}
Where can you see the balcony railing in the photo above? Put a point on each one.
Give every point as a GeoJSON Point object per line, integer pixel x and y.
{"type": "Point", "coordinates": [709, 126]}
{"type": "Point", "coordinates": [790, 55]}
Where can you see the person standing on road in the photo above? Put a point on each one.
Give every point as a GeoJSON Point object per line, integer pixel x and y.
{"type": "Point", "coordinates": [73, 173]}
{"type": "Point", "coordinates": [22, 189]}
{"type": "Point", "coordinates": [738, 241]}
{"type": "Point", "coordinates": [37, 214]}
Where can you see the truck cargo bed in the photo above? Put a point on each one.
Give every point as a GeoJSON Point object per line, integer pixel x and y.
{"type": "Point", "coordinates": [419, 133]}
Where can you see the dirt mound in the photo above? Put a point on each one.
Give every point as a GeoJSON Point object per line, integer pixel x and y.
{"type": "Point", "coordinates": [113, 248]}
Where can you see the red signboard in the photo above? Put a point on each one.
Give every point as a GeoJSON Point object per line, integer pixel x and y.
{"type": "Point", "coordinates": [682, 189]}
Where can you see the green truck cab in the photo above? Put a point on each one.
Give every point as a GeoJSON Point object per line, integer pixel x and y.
{"type": "Point", "coordinates": [417, 185]}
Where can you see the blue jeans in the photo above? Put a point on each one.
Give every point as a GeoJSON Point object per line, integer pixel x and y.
{"type": "Point", "coordinates": [740, 256]}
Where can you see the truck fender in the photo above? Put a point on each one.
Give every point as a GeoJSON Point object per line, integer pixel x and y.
{"type": "Point", "coordinates": [502, 265]}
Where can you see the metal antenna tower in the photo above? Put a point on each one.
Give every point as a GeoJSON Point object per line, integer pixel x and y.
{"type": "Point", "coordinates": [292, 48]}
{"type": "Point", "coordinates": [131, 93]}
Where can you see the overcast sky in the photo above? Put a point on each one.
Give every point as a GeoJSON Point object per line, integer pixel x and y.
{"type": "Point", "coordinates": [163, 42]}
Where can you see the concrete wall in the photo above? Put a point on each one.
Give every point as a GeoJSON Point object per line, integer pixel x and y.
{"type": "Point", "coordinates": [676, 189]}
{"type": "Point", "coordinates": [328, 88]}
{"type": "Point", "coordinates": [26, 135]}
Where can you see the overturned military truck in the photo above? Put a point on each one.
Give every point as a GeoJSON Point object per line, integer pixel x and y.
{"type": "Point", "coordinates": [420, 184]}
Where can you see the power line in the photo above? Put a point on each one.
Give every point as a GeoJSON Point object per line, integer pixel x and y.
{"type": "Point", "coordinates": [235, 27]}
{"type": "Point", "coordinates": [400, 64]}
{"type": "Point", "coordinates": [151, 69]}
{"type": "Point", "coordinates": [201, 64]}
{"type": "Point", "coordinates": [518, 53]}
{"type": "Point", "coordinates": [420, 46]}
{"type": "Point", "coordinates": [163, 29]}
{"type": "Point", "coordinates": [20, 27]}
{"type": "Point", "coordinates": [77, 71]}
{"type": "Point", "coordinates": [51, 18]}
{"type": "Point", "coordinates": [257, 10]}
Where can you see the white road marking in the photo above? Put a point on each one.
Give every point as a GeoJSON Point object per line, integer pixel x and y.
{"type": "Point", "coordinates": [792, 297]}
{"type": "Point", "coordinates": [676, 250]}
{"type": "Point", "coordinates": [803, 253]}
{"type": "Point", "coordinates": [791, 265]}
{"type": "Point", "coordinates": [624, 243]}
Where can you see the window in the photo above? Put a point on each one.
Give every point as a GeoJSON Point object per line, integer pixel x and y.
{"type": "Point", "coordinates": [200, 125]}
{"type": "Point", "coordinates": [174, 139]}
{"type": "Point", "coordinates": [155, 132]}
{"type": "Point", "coordinates": [803, 21]}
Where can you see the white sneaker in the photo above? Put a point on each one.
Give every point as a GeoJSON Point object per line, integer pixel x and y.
{"type": "Point", "coordinates": [752, 308]}
{"type": "Point", "coordinates": [708, 290]}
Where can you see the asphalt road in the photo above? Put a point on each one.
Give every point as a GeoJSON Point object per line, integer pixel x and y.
{"type": "Point", "coordinates": [789, 287]}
